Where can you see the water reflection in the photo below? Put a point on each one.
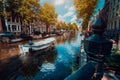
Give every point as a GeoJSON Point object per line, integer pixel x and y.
{"type": "Point", "coordinates": [66, 37]}
{"type": "Point", "coordinates": [9, 50]}
{"type": "Point", "coordinates": [50, 65]}
{"type": "Point", "coordinates": [6, 51]}
{"type": "Point", "coordinates": [32, 64]}
{"type": "Point", "coordinates": [58, 64]}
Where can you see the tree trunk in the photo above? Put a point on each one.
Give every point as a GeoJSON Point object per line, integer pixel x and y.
{"type": "Point", "coordinates": [4, 27]}
{"type": "Point", "coordinates": [47, 28]}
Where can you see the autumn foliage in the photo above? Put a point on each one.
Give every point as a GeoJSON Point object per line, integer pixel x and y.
{"type": "Point", "coordinates": [85, 9]}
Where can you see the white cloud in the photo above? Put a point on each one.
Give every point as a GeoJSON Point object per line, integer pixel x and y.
{"type": "Point", "coordinates": [56, 2]}
{"type": "Point", "coordinates": [59, 2]}
{"type": "Point", "coordinates": [73, 20]}
{"type": "Point", "coordinates": [60, 18]}
{"type": "Point", "coordinates": [77, 21]}
{"type": "Point", "coordinates": [64, 8]}
{"type": "Point", "coordinates": [68, 14]}
{"type": "Point", "coordinates": [72, 8]}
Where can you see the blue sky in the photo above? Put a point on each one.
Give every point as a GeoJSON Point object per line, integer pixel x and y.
{"type": "Point", "coordinates": [65, 9]}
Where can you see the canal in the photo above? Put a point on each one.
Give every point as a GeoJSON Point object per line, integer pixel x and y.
{"type": "Point", "coordinates": [54, 64]}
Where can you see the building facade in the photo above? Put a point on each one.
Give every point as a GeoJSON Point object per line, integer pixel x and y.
{"type": "Point", "coordinates": [13, 25]}
{"type": "Point", "coordinates": [113, 24]}
{"type": "Point", "coordinates": [41, 27]}
{"type": "Point", "coordinates": [111, 16]}
{"type": "Point", "coordinates": [1, 26]}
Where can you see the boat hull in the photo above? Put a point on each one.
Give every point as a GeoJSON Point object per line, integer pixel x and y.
{"type": "Point", "coordinates": [39, 48]}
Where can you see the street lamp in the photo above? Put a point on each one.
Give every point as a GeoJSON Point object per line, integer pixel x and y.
{"type": "Point", "coordinates": [97, 46]}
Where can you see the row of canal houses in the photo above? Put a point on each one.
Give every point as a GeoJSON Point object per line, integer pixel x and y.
{"type": "Point", "coordinates": [15, 26]}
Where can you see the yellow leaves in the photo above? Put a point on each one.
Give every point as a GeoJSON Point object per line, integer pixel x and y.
{"type": "Point", "coordinates": [29, 11]}
{"type": "Point", "coordinates": [85, 9]}
{"type": "Point", "coordinates": [48, 14]}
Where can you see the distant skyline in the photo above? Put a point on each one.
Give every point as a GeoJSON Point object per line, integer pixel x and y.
{"type": "Point", "coordinates": [66, 10]}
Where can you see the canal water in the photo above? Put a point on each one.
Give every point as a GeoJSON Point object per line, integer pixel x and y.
{"type": "Point", "coordinates": [54, 64]}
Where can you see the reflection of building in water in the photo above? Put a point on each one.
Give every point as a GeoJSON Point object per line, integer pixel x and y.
{"type": "Point", "coordinates": [32, 64]}
{"type": "Point", "coordinates": [60, 39]}
{"type": "Point", "coordinates": [111, 16]}
{"type": "Point", "coordinates": [71, 36]}
{"type": "Point", "coordinates": [8, 51]}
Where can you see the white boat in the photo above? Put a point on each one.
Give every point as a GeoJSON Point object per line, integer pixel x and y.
{"type": "Point", "coordinates": [37, 46]}
{"type": "Point", "coordinates": [16, 40]}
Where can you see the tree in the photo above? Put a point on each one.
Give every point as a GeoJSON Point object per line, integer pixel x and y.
{"type": "Point", "coordinates": [64, 26]}
{"type": "Point", "coordinates": [26, 10]}
{"type": "Point", "coordinates": [72, 26]}
{"type": "Point", "coordinates": [29, 10]}
{"type": "Point", "coordinates": [85, 9]}
{"type": "Point", "coordinates": [1, 7]}
{"type": "Point", "coordinates": [75, 26]}
{"type": "Point", "coordinates": [58, 25]}
{"type": "Point", "coordinates": [3, 13]}
{"type": "Point", "coordinates": [48, 15]}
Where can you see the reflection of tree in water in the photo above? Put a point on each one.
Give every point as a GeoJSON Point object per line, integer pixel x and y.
{"type": "Point", "coordinates": [60, 40]}
{"type": "Point", "coordinates": [51, 56]}
{"type": "Point", "coordinates": [29, 70]}
{"type": "Point", "coordinates": [8, 51]}
{"type": "Point", "coordinates": [33, 64]}
{"type": "Point", "coordinates": [71, 36]}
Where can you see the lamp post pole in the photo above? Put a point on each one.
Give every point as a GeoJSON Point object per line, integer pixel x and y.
{"type": "Point", "coordinates": [97, 47]}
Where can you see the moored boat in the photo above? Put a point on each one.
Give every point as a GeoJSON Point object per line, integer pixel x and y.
{"type": "Point", "coordinates": [15, 40]}
{"type": "Point", "coordinates": [39, 46]}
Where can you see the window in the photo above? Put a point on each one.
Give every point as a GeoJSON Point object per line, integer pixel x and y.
{"type": "Point", "coordinates": [119, 25]}
{"type": "Point", "coordinates": [112, 25]}
{"type": "Point", "coordinates": [116, 1]}
{"type": "Point", "coordinates": [14, 27]}
{"type": "Point", "coordinates": [9, 28]}
{"type": "Point", "coordinates": [13, 19]}
{"type": "Point", "coordinates": [9, 19]}
{"type": "Point", "coordinates": [115, 25]}
{"type": "Point", "coordinates": [17, 19]}
{"type": "Point", "coordinates": [117, 8]}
